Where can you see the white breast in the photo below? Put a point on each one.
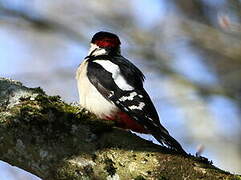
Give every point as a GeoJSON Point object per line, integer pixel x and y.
{"type": "Point", "coordinates": [89, 96]}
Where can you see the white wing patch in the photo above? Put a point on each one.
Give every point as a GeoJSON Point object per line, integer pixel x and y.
{"type": "Point", "coordinates": [116, 74]}
{"type": "Point", "coordinates": [130, 97]}
{"type": "Point", "coordinates": [140, 106]}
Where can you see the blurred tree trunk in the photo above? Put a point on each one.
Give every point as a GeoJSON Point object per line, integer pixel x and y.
{"type": "Point", "coordinates": [54, 140]}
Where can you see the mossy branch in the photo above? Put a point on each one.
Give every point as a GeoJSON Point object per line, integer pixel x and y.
{"type": "Point", "coordinates": [55, 140]}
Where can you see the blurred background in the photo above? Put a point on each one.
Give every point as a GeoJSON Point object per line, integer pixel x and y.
{"type": "Point", "coordinates": [189, 50]}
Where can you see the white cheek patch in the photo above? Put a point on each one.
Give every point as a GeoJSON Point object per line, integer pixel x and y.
{"type": "Point", "coordinates": [116, 75]}
{"type": "Point", "coordinates": [130, 97]}
{"type": "Point", "coordinates": [139, 107]}
{"type": "Point", "coordinates": [96, 50]}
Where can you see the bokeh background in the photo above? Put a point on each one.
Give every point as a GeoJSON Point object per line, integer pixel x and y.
{"type": "Point", "coordinates": [189, 50]}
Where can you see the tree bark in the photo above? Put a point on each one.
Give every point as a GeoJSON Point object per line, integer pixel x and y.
{"type": "Point", "coordinates": [55, 140]}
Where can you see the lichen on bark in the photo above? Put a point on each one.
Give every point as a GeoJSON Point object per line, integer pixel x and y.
{"type": "Point", "coordinates": [55, 140]}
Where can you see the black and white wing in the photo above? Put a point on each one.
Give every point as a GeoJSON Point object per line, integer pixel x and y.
{"type": "Point", "coordinates": [121, 83]}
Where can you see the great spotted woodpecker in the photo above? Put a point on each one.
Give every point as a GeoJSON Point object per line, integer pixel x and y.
{"type": "Point", "coordinates": [111, 87]}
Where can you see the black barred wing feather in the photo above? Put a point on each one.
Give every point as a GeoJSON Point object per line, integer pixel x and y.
{"type": "Point", "coordinates": [138, 103]}
{"type": "Point", "coordinates": [139, 106]}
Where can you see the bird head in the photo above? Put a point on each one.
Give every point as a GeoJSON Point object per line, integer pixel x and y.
{"type": "Point", "coordinates": [104, 43]}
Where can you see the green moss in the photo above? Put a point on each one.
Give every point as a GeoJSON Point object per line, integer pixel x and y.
{"type": "Point", "coordinates": [237, 177]}
{"type": "Point", "coordinates": [69, 171]}
{"type": "Point", "coordinates": [43, 107]}
{"type": "Point", "coordinates": [109, 167]}
{"type": "Point", "coordinates": [162, 178]}
{"type": "Point", "coordinates": [74, 171]}
{"type": "Point", "coordinates": [37, 90]}
{"type": "Point", "coordinates": [139, 178]}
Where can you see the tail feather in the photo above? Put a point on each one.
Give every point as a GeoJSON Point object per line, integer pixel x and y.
{"type": "Point", "coordinates": [169, 141]}
{"type": "Point", "coordinates": [163, 137]}
{"type": "Point", "coordinates": [157, 130]}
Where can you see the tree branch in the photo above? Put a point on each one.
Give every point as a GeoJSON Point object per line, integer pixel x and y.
{"type": "Point", "coordinates": [55, 140]}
